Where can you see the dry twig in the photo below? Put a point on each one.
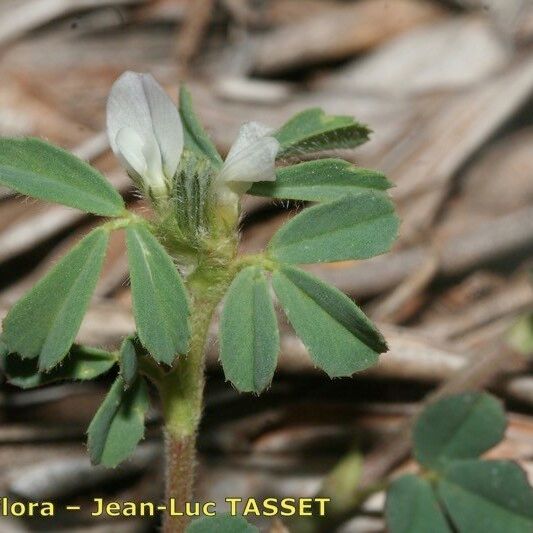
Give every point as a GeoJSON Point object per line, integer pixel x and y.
{"type": "Point", "coordinates": [29, 15]}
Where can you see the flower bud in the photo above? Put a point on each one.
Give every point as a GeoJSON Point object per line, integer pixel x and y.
{"type": "Point", "coordinates": [251, 158]}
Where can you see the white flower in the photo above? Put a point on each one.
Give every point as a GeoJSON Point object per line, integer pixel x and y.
{"type": "Point", "coordinates": [146, 134]}
{"type": "Point", "coordinates": [251, 158]}
{"type": "Point", "coordinates": [145, 130]}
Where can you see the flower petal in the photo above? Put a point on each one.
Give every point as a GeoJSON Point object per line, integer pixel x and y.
{"type": "Point", "coordinates": [248, 134]}
{"type": "Point", "coordinates": [154, 171]}
{"type": "Point", "coordinates": [129, 147]}
{"type": "Point", "coordinates": [138, 102]}
{"type": "Point", "coordinates": [127, 107]}
{"type": "Point", "coordinates": [255, 163]}
{"type": "Point", "coordinates": [166, 121]}
{"type": "Point", "coordinates": [252, 157]}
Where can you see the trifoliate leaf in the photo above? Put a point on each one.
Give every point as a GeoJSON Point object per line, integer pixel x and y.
{"type": "Point", "coordinates": [354, 227]}
{"type": "Point", "coordinates": [412, 507]}
{"type": "Point", "coordinates": [160, 304]}
{"type": "Point", "coordinates": [340, 338]}
{"type": "Point", "coordinates": [223, 523]}
{"type": "Point", "coordinates": [82, 363]}
{"type": "Point", "coordinates": [249, 338]}
{"type": "Point", "coordinates": [487, 497]}
{"type": "Point", "coordinates": [458, 427]}
{"type": "Point", "coordinates": [46, 172]}
{"type": "Point", "coordinates": [129, 363]}
{"type": "Point", "coordinates": [196, 139]}
{"type": "Point", "coordinates": [313, 131]}
{"type": "Point", "coordinates": [46, 320]}
{"type": "Point", "coordinates": [118, 425]}
{"type": "Point", "coordinates": [323, 180]}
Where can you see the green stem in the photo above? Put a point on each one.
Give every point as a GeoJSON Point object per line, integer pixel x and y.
{"type": "Point", "coordinates": [182, 399]}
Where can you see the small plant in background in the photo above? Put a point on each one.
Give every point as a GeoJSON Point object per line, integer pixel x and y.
{"type": "Point", "coordinates": [456, 490]}
{"type": "Point", "coordinates": [520, 337]}
{"type": "Point", "coordinates": [183, 261]}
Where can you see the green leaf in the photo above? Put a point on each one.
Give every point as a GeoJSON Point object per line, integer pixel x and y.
{"type": "Point", "coordinates": [118, 425]}
{"type": "Point", "coordinates": [458, 427]}
{"type": "Point", "coordinates": [412, 507]}
{"type": "Point", "coordinates": [340, 338]}
{"type": "Point", "coordinates": [159, 299]}
{"type": "Point", "coordinates": [45, 321]}
{"type": "Point", "coordinates": [249, 337]}
{"type": "Point", "coordinates": [313, 131]}
{"type": "Point", "coordinates": [4, 350]}
{"type": "Point", "coordinates": [354, 227]}
{"type": "Point", "coordinates": [323, 180]}
{"type": "Point", "coordinates": [223, 523]}
{"type": "Point", "coordinates": [196, 139]}
{"type": "Point", "coordinates": [487, 497]}
{"type": "Point", "coordinates": [129, 364]}
{"type": "Point", "coordinates": [82, 363]}
{"type": "Point", "coordinates": [33, 167]}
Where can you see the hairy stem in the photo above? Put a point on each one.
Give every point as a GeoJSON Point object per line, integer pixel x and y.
{"type": "Point", "coordinates": [182, 399]}
{"type": "Point", "coordinates": [180, 457]}
{"type": "Point", "coordinates": [182, 396]}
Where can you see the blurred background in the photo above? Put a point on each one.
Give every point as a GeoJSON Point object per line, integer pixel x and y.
{"type": "Point", "coordinates": [445, 85]}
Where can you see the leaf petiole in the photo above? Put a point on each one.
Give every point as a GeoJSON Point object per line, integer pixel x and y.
{"type": "Point", "coordinates": [124, 221]}
{"type": "Point", "coordinates": [258, 260]}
